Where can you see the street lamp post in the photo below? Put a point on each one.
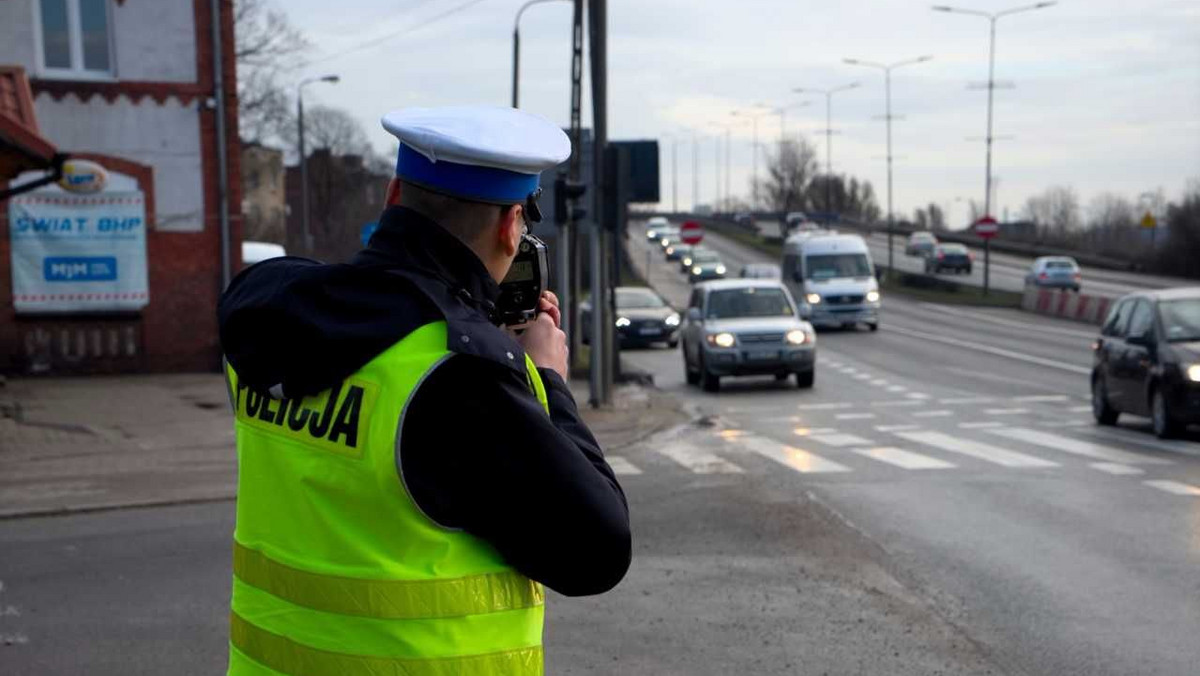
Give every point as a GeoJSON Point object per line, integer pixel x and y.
{"type": "Point", "coordinates": [516, 74]}
{"type": "Point", "coordinates": [754, 121]}
{"type": "Point", "coordinates": [695, 170]}
{"type": "Point", "coordinates": [308, 237]}
{"type": "Point", "coordinates": [887, 85]}
{"type": "Point", "coordinates": [991, 88]}
{"type": "Point", "coordinates": [828, 134]}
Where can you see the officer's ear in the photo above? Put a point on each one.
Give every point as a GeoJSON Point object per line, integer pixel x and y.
{"type": "Point", "coordinates": [512, 226]}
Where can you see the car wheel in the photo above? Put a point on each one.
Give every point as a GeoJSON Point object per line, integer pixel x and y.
{"type": "Point", "coordinates": [709, 381]}
{"type": "Point", "coordinates": [805, 379]}
{"type": "Point", "coordinates": [873, 326]}
{"type": "Point", "coordinates": [692, 377]}
{"type": "Point", "coordinates": [1165, 426]}
{"type": "Point", "coordinates": [1104, 413]}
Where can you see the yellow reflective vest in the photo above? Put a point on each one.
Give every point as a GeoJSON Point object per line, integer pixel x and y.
{"type": "Point", "coordinates": [337, 572]}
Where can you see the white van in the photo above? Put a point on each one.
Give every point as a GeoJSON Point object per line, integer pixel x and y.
{"type": "Point", "coordinates": [256, 252]}
{"type": "Point", "coordinates": [832, 277]}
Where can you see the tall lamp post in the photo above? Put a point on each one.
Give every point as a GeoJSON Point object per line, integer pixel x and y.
{"type": "Point", "coordinates": [887, 87]}
{"type": "Point", "coordinates": [991, 83]}
{"type": "Point", "coordinates": [308, 237]}
{"type": "Point", "coordinates": [516, 74]}
{"type": "Point", "coordinates": [753, 117]}
{"type": "Point", "coordinates": [828, 93]}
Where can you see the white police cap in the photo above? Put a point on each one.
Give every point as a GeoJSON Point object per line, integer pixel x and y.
{"type": "Point", "coordinates": [482, 153]}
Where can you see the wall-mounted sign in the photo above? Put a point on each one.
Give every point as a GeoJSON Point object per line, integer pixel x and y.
{"type": "Point", "coordinates": [78, 253]}
{"type": "Point", "coordinates": [83, 176]}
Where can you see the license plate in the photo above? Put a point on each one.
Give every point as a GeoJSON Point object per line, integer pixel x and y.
{"type": "Point", "coordinates": [762, 356]}
{"type": "Point", "coordinates": [650, 331]}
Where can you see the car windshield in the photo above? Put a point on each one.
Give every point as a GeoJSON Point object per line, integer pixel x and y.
{"type": "Point", "coordinates": [956, 249]}
{"type": "Point", "coordinates": [1180, 319]}
{"type": "Point", "coordinates": [749, 302]}
{"type": "Point", "coordinates": [829, 266]}
{"type": "Point", "coordinates": [706, 257]}
{"type": "Point", "coordinates": [638, 298]}
{"type": "Point", "coordinates": [1060, 265]}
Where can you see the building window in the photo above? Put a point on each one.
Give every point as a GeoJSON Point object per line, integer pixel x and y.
{"type": "Point", "coordinates": [76, 38]}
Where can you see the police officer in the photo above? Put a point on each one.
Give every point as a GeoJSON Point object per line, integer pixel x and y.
{"type": "Point", "coordinates": [410, 473]}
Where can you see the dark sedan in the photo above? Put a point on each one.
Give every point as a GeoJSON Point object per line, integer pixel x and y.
{"type": "Point", "coordinates": [952, 257]}
{"type": "Point", "coordinates": [1147, 360]}
{"type": "Point", "coordinates": [643, 318]}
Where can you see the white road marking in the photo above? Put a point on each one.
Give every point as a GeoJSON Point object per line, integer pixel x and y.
{"type": "Point", "coordinates": [977, 450]}
{"type": "Point", "coordinates": [879, 383]}
{"type": "Point", "coordinates": [1080, 409]}
{"type": "Point", "coordinates": [897, 428]}
{"type": "Point", "coordinates": [896, 388]}
{"type": "Point", "coordinates": [789, 456]}
{"type": "Point", "coordinates": [1000, 352]}
{"type": "Point", "coordinates": [1144, 439]}
{"type": "Point", "coordinates": [621, 466]}
{"type": "Point", "coordinates": [840, 440]}
{"type": "Point", "coordinates": [966, 400]}
{"type": "Point", "coordinates": [1066, 423]}
{"type": "Point", "coordinates": [863, 376]}
{"type": "Point", "coordinates": [834, 364]}
{"type": "Point", "coordinates": [699, 460]}
{"type": "Point", "coordinates": [1027, 326]}
{"type": "Point", "coordinates": [809, 431]}
{"type": "Point", "coordinates": [786, 418]}
{"type": "Point", "coordinates": [898, 403]}
{"type": "Point", "coordinates": [1005, 411]}
{"type": "Point", "coordinates": [854, 416]}
{"type": "Point", "coordinates": [917, 395]}
{"type": "Point", "coordinates": [1116, 468]}
{"type": "Point", "coordinates": [1088, 449]}
{"type": "Point", "coordinates": [1174, 487]}
{"type": "Point", "coordinates": [823, 407]}
{"type": "Point", "coordinates": [1040, 398]}
{"type": "Point", "coordinates": [902, 458]}
{"type": "Point", "coordinates": [979, 425]}
{"type": "Point", "coordinates": [933, 414]}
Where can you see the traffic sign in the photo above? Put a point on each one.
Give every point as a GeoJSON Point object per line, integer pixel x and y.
{"type": "Point", "coordinates": [691, 232]}
{"type": "Point", "coordinates": [987, 227]}
{"type": "Point", "coordinates": [1148, 221]}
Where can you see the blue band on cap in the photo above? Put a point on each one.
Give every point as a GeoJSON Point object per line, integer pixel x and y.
{"type": "Point", "coordinates": [465, 180]}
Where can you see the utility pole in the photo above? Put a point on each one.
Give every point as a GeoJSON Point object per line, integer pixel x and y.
{"type": "Point", "coordinates": [570, 255]}
{"type": "Point", "coordinates": [516, 62]}
{"type": "Point", "coordinates": [695, 170]}
{"type": "Point", "coordinates": [308, 236]}
{"type": "Point", "coordinates": [887, 86]}
{"type": "Point", "coordinates": [602, 300]}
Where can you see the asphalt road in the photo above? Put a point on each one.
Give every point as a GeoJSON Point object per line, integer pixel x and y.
{"type": "Point", "coordinates": [1007, 270]}
{"type": "Point", "coordinates": [960, 441]}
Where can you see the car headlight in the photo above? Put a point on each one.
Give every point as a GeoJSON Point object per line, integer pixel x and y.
{"type": "Point", "coordinates": [872, 296]}
{"type": "Point", "coordinates": [1193, 373]}
{"type": "Point", "coordinates": [622, 322]}
{"type": "Point", "coordinates": [687, 262]}
{"type": "Point", "coordinates": [665, 241]}
{"type": "Point", "coordinates": [696, 270]}
{"type": "Point", "coordinates": [670, 250]}
{"type": "Point", "coordinates": [797, 337]}
{"type": "Point", "coordinates": [720, 269]}
{"type": "Point", "coordinates": [672, 320]}
{"type": "Point", "coordinates": [652, 235]}
{"type": "Point", "coordinates": [721, 339]}
{"type": "Point", "coordinates": [813, 298]}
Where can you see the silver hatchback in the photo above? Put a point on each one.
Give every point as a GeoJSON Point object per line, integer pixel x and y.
{"type": "Point", "coordinates": [746, 327]}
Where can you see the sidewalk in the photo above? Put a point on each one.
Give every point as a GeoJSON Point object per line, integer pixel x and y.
{"type": "Point", "coordinates": [80, 444]}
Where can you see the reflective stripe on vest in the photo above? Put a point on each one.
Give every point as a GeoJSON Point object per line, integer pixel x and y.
{"type": "Point", "coordinates": [336, 569]}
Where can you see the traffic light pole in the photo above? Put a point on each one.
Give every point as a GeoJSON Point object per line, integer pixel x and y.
{"type": "Point", "coordinates": [602, 335]}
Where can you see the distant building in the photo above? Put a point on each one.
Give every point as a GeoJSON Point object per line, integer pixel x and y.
{"type": "Point", "coordinates": [264, 198]}
{"type": "Point", "coordinates": [130, 85]}
{"type": "Point", "coordinates": [344, 195]}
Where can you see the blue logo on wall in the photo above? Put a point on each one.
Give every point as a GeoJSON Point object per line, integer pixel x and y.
{"type": "Point", "coordinates": [80, 269]}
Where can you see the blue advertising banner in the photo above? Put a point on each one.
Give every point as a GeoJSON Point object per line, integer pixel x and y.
{"type": "Point", "coordinates": [78, 253]}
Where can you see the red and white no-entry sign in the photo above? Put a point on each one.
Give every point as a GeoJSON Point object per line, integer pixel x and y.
{"type": "Point", "coordinates": [987, 227]}
{"type": "Point", "coordinates": [691, 232]}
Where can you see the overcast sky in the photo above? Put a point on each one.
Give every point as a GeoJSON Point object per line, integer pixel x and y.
{"type": "Point", "coordinates": [1106, 93]}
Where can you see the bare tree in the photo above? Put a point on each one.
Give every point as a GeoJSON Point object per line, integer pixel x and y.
{"type": "Point", "coordinates": [1056, 210]}
{"type": "Point", "coordinates": [789, 173]}
{"type": "Point", "coordinates": [1179, 255]}
{"type": "Point", "coordinates": [335, 130]}
{"type": "Point", "coordinates": [937, 217]}
{"type": "Point", "coordinates": [975, 209]}
{"type": "Point", "coordinates": [265, 44]}
{"type": "Point", "coordinates": [921, 219]}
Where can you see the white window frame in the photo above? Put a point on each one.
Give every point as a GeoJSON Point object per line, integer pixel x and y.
{"type": "Point", "coordinates": [75, 31]}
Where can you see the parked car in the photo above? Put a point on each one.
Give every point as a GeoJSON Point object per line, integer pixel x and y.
{"type": "Point", "coordinates": [741, 327]}
{"type": "Point", "coordinates": [686, 261]}
{"type": "Point", "coordinates": [655, 226]}
{"type": "Point", "coordinates": [667, 236]}
{"type": "Point", "coordinates": [798, 221]}
{"type": "Point", "coordinates": [833, 280]}
{"type": "Point", "coordinates": [643, 318]}
{"type": "Point", "coordinates": [1058, 272]}
{"type": "Point", "coordinates": [706, 265]}
{"type": "Point", "coordinates": [952, 257]}
{"type": "Point", "coordinates": [760, 271]}
{"type": "Point", "coordinates": [677, 251]}
{"type": "Point", "coordinates": [920, 243]}
{"type": "Point", "coordinates": [1147, 360]}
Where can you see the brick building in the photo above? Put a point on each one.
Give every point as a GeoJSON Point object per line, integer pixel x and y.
{"type": "Point", "coordinates": [131, 85]}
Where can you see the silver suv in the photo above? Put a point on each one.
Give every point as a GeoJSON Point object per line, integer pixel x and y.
{"type": "Point", "coordinates": [746, 327]}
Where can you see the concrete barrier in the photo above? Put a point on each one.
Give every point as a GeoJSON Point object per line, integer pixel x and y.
{"type": "Point", "coordinates": [1081, 307]}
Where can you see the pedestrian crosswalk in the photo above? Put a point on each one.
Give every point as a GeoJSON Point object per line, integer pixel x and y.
{"type": "Point", "coordinates": [729, 450]}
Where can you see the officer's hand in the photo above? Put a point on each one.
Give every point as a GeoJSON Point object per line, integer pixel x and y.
{"type": "Point", "coordinates": [548, 304]}
{"type": "Point", "coordinates": [545, 343]}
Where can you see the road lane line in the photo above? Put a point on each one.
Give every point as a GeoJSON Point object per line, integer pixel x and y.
{"type": "Point", "coordinates": [917, 395]}
{"type": "Point", "coordinates": [789, 456]}
{"type": "Point", "coordinates": [902, 458]}
{"type": "Point", "coordinates": [1028, 326]}
{"type": "Point", "coordinates": [1038, 398]}
{"type": "Point", "coordinates": [900, 403]}
{"type": "Point", "coordinates": [697, 460]}
{"type": "Point", "coordinates": [863, 376]}
{"type": "Point", "coordinates": [896, 388]}
{"type": "Point", "coordinates": [976, 449]}
{"type": "Point", "coordinates": [966, 400]}
{"type": "Point", "coordinates": [1175, 487]}
{"type": "Point", "coordinates": [941, 413]}
{"type": "Point", "coordinates": [809, 431]}
{"type": "Point", "coordinates": [822, 407]}
{"type": "Point", "coordinates": [1000, 352]}
{"type": "Point", "coordinates": [1080, 409]}
{"type": "Point", "coordinates": [621, 466]}
{"type": "Point", "coordinates": [1088, 449]}
{"type": "Point", "coordinates": [1116, 468]}
{"type": "Point", "coordinates": [979, 425]}
{"type": "Point", "coordinates": [854, 416]}
{"type": "Point", "coordinates": [1005, 411]}
{"type": "Point", "coordinates": [879, 383]}
{"type": "Point", "coordinates": [840, 440]}
{"type": "Point", "coordinates": [897, 428]}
